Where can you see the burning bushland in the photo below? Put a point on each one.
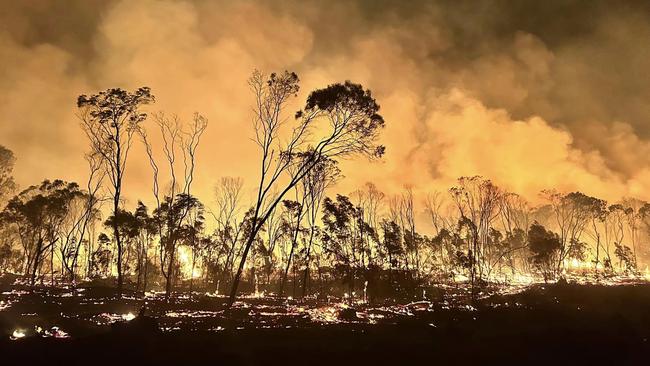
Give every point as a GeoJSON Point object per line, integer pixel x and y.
{"type": "Point", "coordinates": [77, 261]}
{"type": "Point", "coordinates": [297, 238]}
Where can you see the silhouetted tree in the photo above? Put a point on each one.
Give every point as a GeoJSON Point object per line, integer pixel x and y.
{"type": "Point", "coordinates": [7, 189]}
{"type": "Point", "coordinates": [295, 213]}
{"type": "Point", "coordinates": [38, 212]}
{"type": "Point", "coordinates": [190, 235]}
{"type": "Point", "coordinates": [109, 119]}
{"type": "Point", "coordinates": [572, 213]}
{"type": "Point", "coordinates": [351, 125]}
{"type": "Point", "coordinates": [71, 233]}
{"type": "Point", "coordinates": [392, 242]}
{"type": "Point", "coordinates": [342, 221]}
{"type": "Point", "coordinates": [477, 200]}
{"type": "Point", "coordinates": [597, 218]}
{"type": "Point", "coordinates": [101, 257]}
{"type": "Point", "coordinates": [174, 214]}
{"type": "Point", "coordinates": [147, 228]}
{"type": "Point", "coordinates": [546, 247]}
{"type": "Point", "coordinates": [321, 177]}
{"type": "Point", "coordinates": [128, 227]}
{"type": "Point", "coordinates": [174, 138]}
{"type": "Point", "coordinates": [7, 184]}
{"type": "Point", "coordinates": [229, 222]}
{"type": "Point", "coordinates": [616, 220]}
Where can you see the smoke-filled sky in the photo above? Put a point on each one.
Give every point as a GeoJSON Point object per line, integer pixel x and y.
{"type": "Point", "coordinates": [531, 94]}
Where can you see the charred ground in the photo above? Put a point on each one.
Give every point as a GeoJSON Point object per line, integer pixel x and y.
{"type": "Point", "coordinates": [543, 324]}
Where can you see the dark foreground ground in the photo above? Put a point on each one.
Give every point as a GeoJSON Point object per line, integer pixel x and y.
{"type": "Point", "coordinates": [552, 325]}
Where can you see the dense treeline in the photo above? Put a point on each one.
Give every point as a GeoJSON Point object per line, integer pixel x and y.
{"type": "Point", "coordinates": [298, 237]}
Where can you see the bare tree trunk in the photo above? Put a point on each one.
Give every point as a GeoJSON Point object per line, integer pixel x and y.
{"type": "Point", "coordinates": [597, 254]}
{"type": "Point", "coordinates": [230, 260]}
{"type": "Point", "coordinates": [146, 272]}
{"type": "Point", "coordinates": [118, 241]}
{"type": "Point", "coordinates": [305, 278]}
{"type": "Point", "coordinates": [240, 268]}
{"type": "Point", "coordinates": [294, 241]}
{"type": "Point", "coordinates": [192, 273]}
{"type": "Point", "coordinates": [52, 266]}
{"type": "Point", "coordinates": [170, 274]}
{"type": "Point", "coordinates": [293, 269]}
{"type": "Point", "coordinates": [37, 259]}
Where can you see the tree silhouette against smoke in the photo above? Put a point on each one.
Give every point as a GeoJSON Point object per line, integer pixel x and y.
{"type": "Point", "coordinates": [545, 246]}
{"type": "Point", "coordinates": [229, 223]}
{"type": "Point", "coordinates": [39, 213]}
{"type": "Point", "coordinates": [174, 208]}
{"type": "Point", "coordinates": [7, 183]}
{"type": "Point", "coordinates": [319, 179]}
{"type": "Point", "coordinates": [110, 119]}
{"type": "Point", "coordinates": [346, 113]}
{"type": "Point", "coordinates": [359, 242]}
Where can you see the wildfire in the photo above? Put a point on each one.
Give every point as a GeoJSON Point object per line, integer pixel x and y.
{"type": "Point", "coordinates": [53, 332]}
{"type": "Point", "coordinates": [189, 268]}
{"type": "Point", "coordinates": [109, 318]}
{"type": "Point", "coordinates": [326, 314]}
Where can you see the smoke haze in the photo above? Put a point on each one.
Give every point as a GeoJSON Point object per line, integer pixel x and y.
{"type": "Point", "coordinates": [532, 95]}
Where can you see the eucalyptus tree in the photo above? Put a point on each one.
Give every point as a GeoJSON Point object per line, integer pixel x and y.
{"type": "Point", "coordinates": [572, 213]}
{"type": "Point", "coordinates": [435, 205]}
{"type": "Point", "coordinates": [510, 244]}
{"type": "Point", "coordinates": [391, 243]}
{"type": "Point", "coordinates": [191, 235]}
{"type": "Point", "coordinates": [275, 229]}
{"type": "Point", "coordinates": [477, 200]}
{"type": "Point", "coordinates": [8, 187]}
{"type": "Point", "coordinates": [546, 247]}
{"type": "Point", "coordinates": [343, 221]}
{"type": "Point", "coordinates": [295, 213]}
{"type": "Point", "coordinates": [38, 212]}
{"type": "Point", "coordinates": [71, 234]}
{"type": "Point", "coordinates": [597, 219]}
{"type": "Point", "coordinates": [229, 221]}
{"type": "Point", "coordinates": [634, 221]}
{"type": "Point", "coordinates": [179, 141]}
{"type": "Point", "coordinates": [614, 232]}
{"type": "Point", "coordinates": [128, 227]}
{"type": "Point", "coordinates": [308, 193]}
{"type": "Point", "coordinates": [338, 121]}
{"type": "Point", "coordinates": [404, 205]}
{"type": "Point", "coordinates": [146, 231]}
{"type": "Point", "coordinates": [175, 214]}
{"type": "Point", "coordinates": [110, 118]}
{"type": "Point", "coordinates": [7, 183]}
{"type": "Point", "coordinates": [315, 183]}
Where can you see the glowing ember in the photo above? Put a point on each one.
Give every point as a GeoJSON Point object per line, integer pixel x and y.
{"type": "Point", "coordinates": [54, 332]}
{"type": "Point", "coordinates": [17, 334]}
{"type": "Point", "coordinates": [4, 305]}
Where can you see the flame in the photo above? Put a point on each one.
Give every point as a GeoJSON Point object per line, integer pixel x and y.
{"type": "Point", "coordinates": [17, 334]}
{"type": "Point", "coordinates": [185, 261]}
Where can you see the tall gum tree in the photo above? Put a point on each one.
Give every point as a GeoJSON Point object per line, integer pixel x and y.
{"type": "Point", "coordinates": [176, 205]}
{"type": "Point", "coordinates": [110, 118]}
{"type": "Point", "coordinates": [338, 121]}
{"type": "Point", "coordinates": [7, 183]}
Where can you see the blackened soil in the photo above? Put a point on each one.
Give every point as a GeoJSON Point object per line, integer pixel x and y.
{"type": "Point", "coordinates": [555, 325]}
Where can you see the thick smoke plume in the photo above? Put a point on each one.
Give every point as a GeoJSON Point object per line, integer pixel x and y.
{"type": "Point", "coordinates": [533, 96]}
